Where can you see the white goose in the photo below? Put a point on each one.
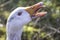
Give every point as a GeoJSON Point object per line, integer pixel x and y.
{"type": "Point", "coordinates": [18, 18]}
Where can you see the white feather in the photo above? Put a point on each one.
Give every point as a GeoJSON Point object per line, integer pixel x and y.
{"type": "Point", "coordinates": [15, 23]}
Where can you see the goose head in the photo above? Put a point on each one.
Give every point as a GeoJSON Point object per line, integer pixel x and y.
{"type": "Point", "coordinates": [19, 17]}
{"type": "Point", "coordinates": [22, 15]}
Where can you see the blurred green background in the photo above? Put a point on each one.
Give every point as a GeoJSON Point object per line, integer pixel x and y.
{"type": "Point", "coordinates": [42, 28]}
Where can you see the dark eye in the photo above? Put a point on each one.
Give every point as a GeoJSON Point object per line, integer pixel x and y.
{"type": "Point", "coordinates": [19, 13]}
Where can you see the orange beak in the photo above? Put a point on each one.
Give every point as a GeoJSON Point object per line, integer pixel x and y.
{"type": "Point", "coordinates": [32, 10]}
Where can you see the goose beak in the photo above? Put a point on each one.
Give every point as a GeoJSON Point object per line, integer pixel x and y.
{"type": "Point", "coordinates": [34, 8]}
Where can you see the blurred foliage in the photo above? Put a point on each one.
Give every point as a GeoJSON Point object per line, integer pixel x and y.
{"type": "Point", "coordinates": [46, 27]}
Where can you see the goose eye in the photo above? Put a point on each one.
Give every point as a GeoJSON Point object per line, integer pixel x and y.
{"type": "Point", "coordinates": [19, 13]}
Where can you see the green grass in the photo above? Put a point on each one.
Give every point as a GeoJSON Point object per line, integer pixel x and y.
{"type": "Point", "coordinates": [3, 37]}
{"type": "Point", "coordinates": [28, 29]}
{"type": "Point", "coordinates": [2, 33]}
